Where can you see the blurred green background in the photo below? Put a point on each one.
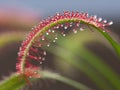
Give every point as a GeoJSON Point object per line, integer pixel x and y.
{"type": "Point", "coordinates": [18, 17]}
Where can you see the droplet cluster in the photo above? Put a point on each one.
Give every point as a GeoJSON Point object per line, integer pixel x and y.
{"type": "Point", "coordinates": [46, 32]}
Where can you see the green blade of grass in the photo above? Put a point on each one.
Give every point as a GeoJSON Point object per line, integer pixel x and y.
{"type": "Point", "coordinates": [13, 82]}
{"type": "Point", "coordinates": [79, 86]}
{"type": "Point", "coordinates": [114, 44]}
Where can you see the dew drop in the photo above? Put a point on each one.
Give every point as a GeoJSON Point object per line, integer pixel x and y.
{"type": "Point", "coordinates": [43, 59]}
{"type": "Point", "coordinates": [49, 30]}
{"type": "Point", "coordinates": [39, 58]}
{"type": "Point", "coordinates": [110, 23]}
{"type": "Point", "coordinates": [103, 25]}
{"type": "Point", "coordinates": [105, 21]}
{"type": "Point", "coordinates": [70, 25]}
{"type": "Point", "coordinates": [77, 24]}
{"type": "Point", "coordinates": [40, 62]}
{"type": "Point", "coordinates": [43, 39]}
{"type": "Point", "coordinates": [61, 25]}
{"type": "Point", "coordinates": [95, 16]}
{"type": "Point", "coordinates": [99, 19]}
{"type": "Point", "coordinates": [64, 35]}
{"type": "Point", "coordinates": [39, 45]}
{"type": "Point", "coordinates": [65, 27]}
{"type": "Point", "coordinates": [57, 13]}
{"type": "Point", "coordinates": [57, 27]}
{"type": "Point", "coordinates": [48, 45]}
{"type": "Point", "coordinates": [20, 48]}
{"type": "Point", "coordinates": [75, 31]}
{"type": "Point", "coordinates": [47, 33]}
{"type": "Point", "coordinates": [54, 41]}
{"type": "Point", "coordinates": [81, 29]}
{"type": "Point", "coordinates": [53, 31]}
{"type": "Point", "coordinates": [44, 53]}
{"type": "Point", "coordinates": [56, 38]}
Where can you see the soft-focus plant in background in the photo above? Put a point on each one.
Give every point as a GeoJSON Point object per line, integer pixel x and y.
{"type": "Point", "coordinates": [71, 56]}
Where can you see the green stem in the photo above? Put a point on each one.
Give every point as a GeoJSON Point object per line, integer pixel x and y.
{"type": "Point", "coordinates": [13, 82]}
{"type": "Point", "coordinates": [114, 44]}
{"type": "Point", "coordinates": [47, 74]}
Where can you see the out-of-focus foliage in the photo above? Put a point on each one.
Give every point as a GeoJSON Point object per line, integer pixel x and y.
{"type": "Point", "coordinates": [72, 50]}
{"type": "Point", "coordinates": [71, 57]}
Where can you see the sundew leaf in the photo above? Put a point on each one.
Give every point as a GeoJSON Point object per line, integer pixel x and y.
{"type": "Point", "coordinates": [64, 23]}
{"type": "Point", "coordinates": [32, 49]}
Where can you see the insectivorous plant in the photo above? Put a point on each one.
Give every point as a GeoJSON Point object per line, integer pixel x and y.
{"type": "Point", "coordinates": [46, 32]}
